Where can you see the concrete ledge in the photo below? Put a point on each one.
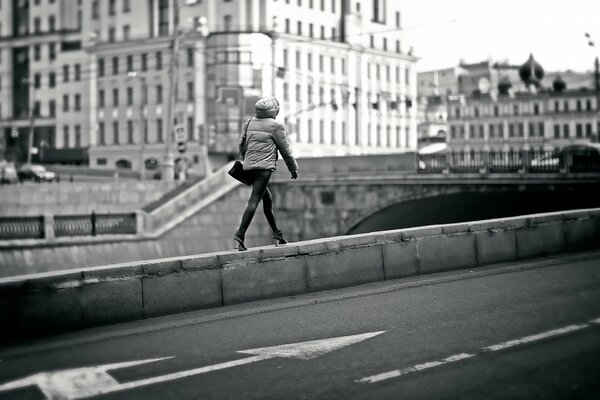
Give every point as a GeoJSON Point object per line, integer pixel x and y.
{"type": "Point", "coordinates": [39, 304]}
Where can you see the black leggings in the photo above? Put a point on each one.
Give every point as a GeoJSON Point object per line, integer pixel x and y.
{"type": "Point", "coordinates": [260, 191]}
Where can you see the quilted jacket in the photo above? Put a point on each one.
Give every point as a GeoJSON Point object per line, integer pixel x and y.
{"type": "Point", "coordinates": [264, 138]}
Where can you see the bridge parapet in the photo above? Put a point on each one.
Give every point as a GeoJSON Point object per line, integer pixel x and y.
{"type": "Point", "coordinates": [60, 301]}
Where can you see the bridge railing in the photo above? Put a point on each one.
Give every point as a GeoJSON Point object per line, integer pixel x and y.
{"type": "Point", "coordinates": [534, 161]}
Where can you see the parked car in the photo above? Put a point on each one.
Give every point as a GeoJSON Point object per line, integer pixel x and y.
{"type": "Point", "coordinates": [8, 173]}
{"type": "Point", "coordinates": [37, 173]}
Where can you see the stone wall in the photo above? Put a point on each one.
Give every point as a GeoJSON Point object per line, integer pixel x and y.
{"type": "Point", "coordinates": [79, 198]}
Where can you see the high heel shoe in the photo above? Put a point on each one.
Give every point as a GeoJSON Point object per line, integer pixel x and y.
{"type": "Point", "coordinates": [278, 238]}
{"type": "Point", "coordinates": [238, 241]}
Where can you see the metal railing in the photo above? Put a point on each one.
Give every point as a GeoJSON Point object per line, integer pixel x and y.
{"type": "Point", "coordinates": [21, 228]}
{"type": "Point", "coordinates": [534, 161]}
{"type": "Point", "coordinates": [94, 224]}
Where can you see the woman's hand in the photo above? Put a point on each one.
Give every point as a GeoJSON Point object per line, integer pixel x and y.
{"type": "Point", "coordinates": [294, 175]}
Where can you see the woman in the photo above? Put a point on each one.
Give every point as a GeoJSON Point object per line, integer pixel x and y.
{"type": "Point", "coordinates": [262, 136]}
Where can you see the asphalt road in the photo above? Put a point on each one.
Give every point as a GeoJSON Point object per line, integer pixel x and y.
{"type": "Point", "coordinates": [524, 334]}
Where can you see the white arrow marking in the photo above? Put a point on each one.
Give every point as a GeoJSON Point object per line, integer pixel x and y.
{"type": "Point", "coordinates": [85, 382]}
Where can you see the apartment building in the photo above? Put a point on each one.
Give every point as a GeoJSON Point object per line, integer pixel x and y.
{"type": "Point", "coordinates": [43, 80]}
{"type": "Point", "coordinates": [345, 84]}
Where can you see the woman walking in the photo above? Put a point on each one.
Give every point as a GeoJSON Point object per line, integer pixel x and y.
{"type": "Point", "coordinates": [261, 138]}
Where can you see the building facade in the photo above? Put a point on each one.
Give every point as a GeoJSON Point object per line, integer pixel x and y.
{"type": "Point", "coordinates": [542, 121]}
{"type": "Point", "coordinates": [43, 81]}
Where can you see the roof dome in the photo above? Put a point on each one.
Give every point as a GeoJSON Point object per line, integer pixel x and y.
{"type": "Point", "coordinates": [504, 85]}
{"type": "Point", "coordinates": [559, 84]}
{"type": "Point", "coordinates": [531, 72]}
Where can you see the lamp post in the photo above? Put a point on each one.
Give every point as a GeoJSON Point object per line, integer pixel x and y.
{"type": "Point", "coordinates": [596, 86]}
{"type": "Point", "coordinates": [143, 94]}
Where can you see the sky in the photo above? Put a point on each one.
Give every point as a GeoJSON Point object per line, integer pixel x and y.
{"type": "Point", "coordinates": [442, 32]}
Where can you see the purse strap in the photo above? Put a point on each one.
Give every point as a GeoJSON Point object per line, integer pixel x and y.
{"type": "Point", "coordinates": [245, 133]}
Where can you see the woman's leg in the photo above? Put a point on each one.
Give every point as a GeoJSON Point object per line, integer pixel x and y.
{"type": "Point", "coordinates": [258, 189]}
{"type": "Point", "coordinates": [267, 200]}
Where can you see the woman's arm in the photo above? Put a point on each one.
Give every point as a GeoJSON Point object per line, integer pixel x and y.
{"type": "Point", "coordinates": [283, 145]}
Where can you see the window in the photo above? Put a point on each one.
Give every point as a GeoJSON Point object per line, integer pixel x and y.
{"type": "Point", "coordinates": [37, 52]}
{"type": "Point", "coordinates": [398, 50]}
{"type": "Point", "coordinates": [101, 98]}
{"type": "Point", "coordinates": [144, 62]}
{"type": "Point", "coordinates": [115, 65]}
{"type": "Point", "coordinates": [190, 128]}
{"type": "Point", "coordinates": [52, 23]}
{"type": "Point", "coordinates": [556, 106]}
{"type": "Point", "coordinates": [343, 66]}
{"type": "Point", "coordinates": [77, 135]}
{"type": "Point", "coordinates": [65, 102]}
{"type": "Point", "coordinates": [77, 72]}
{"type": "Point", "coordinates": [309, 93]}
{"type": "Point", "coordinates": [146, 138]}
{"type": "Point", "coordinates": [496, 111]}
{"type": "Point", "coordinates": [285, 58]}
{"type": "Point", "coordinates": [298, 59]}
{"type": "Point", "coordinates": [536, 109]}
{"type": "Point", "coordinates": [65, 73]}
{"type": "Point", "coordinates": [321, 131]}
{"type": "Point", "coordinates": [515, 109]}
{"type": "Point", "coordinates": [159, 130]}
{"type": "Point", "coordinates": [521, 129]}
{"type": "Point", "coordinates": [115, 97]}
{"type": "Point", "coordinates": [579, 129]}
{"type": "Point", "coordinates": [129, 96]}
{"type": "Point", "coordinates": [578, 105]}
{"type": "Point", "coordinates": [298, 98]}
{"type": "Point", "coordinates": [588, 130]}
{"type": "Point", "coordinates": [379, 11]}
{"type": "Point", "coordinates": [322, 5]}
{"type": "Point", "coordinates": [566, 106]}
{"type": "Point", "coordinates": [286, 92]}
{"type": "Point", "coordinates": [311, 32]}
{"type": "Point", "coordinates": [65, 137]}
{"type": "Point", "coordinates": [158, 60]}
{"type": "Point", "coordinates": [321, 63]}
{"type": "Point", "coordinates": [115, 132]}
{"type": "Point", "coordinates": [565, 131]}
{"type": "Point", "coordinates": [541, 129]}
{"type": "Point", "coordinates": [556, 131]}
{"type": "Point", "coordinates": [100, 67]}
{"type": "Point", "coordinates": [299, 23]}
{"type": "Point", "coordinates": [37, 81]}
{"type": "Point", "coordinates": [287, 25]}
{"type": "Point", "coordinates": [310, 131]}
{"type": "Point", "coordinates": [309, 61]}
{"type": "Point", "coordinates": [126, 32]}
{"type": "Point", "coordinates": [52, 108]}
{"type": "Point", "coordinates": [372, 41]}
{"type": "Point", "coordinates": [77, 102]}
{"type": "Point", "coordinates": [397, 19]}
{"type": "Point", "coordinates": [130, 132]}
{"type": "Point", "coordinates": [159, 94]}
{"type": "Point", "coordinates": [126, 6]}
{"type": "Point", "coordinates": [399, 139]}
{"type": "Point", "coordinates": [333, 135]}
{"type": "Point", "coordinates": [588, 105]}
{"type": "Point", "coordinates": [95, 9]}
{"type": "Point", "coordinates": [190, 91]}
{"type": "Point", "coordinates": [227, 23]}
{"type": "Point", "coordinates": [332, 65]}
{"type": "Point", "coordinates": [190, 57]}
{"type": "Point", "coordinates": [384, 44]}
{"type": "Point", "coordinates": [322, 32]}
{"type": "Point", "coordinates": [491, 131]}
{"type": "Point", "coordinates": [333, 34]}
{"type": "Point", "coordinates": [111, 7]}
{"type": "Point", "coordinates": [52, 51]}
{"type": "Point", "coordinates": [52, 79]}
{"type": "Point", "coordinates": [101, 134]}
{"type": "Point", "coordinates": [37, 23]}
{"type": "Point", "coordinates": [129, 63]}
{"type": "Point", "coordinates": [112, 34]}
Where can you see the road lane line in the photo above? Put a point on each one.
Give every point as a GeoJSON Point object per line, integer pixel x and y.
{"type": "Point", "coordinates": [533, 338]}
{"type": "Point", "coordinates": [414, 368]}
{"type": "Point", "coordinates": [457, 357]}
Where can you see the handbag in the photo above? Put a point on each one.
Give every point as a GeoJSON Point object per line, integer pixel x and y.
{"type": "Point", "coordinates": [237, 171]}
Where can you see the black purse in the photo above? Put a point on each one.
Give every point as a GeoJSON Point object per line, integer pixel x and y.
{"type": "Point", "coordinates": [237, 171]}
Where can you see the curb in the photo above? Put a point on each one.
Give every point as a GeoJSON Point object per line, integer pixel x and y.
{"type": "Point", "coordinates": [40, 304]}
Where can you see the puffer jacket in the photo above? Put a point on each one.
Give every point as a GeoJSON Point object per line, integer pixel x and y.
{"type": "Point", "coordinates": [265, 136]}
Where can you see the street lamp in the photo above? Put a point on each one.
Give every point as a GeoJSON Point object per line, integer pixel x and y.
{"type": "Point", "coordinates": [596, 84]}
{"type": "Point", "coordinates": [144, 91]}
{"type": "Point", "coordinates": [168, 170]}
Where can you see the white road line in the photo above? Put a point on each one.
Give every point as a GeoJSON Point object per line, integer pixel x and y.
{"type": "Point", "coordinates": [414, 368]}
{"type": "Point", "coordinates": [457, 357]}
{"type": "Point", "coordinates": [533, 338]}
